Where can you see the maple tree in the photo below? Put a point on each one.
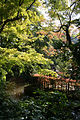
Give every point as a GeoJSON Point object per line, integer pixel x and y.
{"type": "Point", "coordinates": [65, 12]}
{"type": "Point", "coordinates": [12, 11]}
{"type": "Point", "coordinates": [17, 23]}
{"type": "Point", "coordinates": [21, 28]}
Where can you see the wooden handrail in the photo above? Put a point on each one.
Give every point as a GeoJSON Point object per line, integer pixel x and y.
{"type": "Point", "coordinates": [62, 83]}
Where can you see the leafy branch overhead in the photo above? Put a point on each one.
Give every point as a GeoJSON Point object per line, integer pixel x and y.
{"type": "Point", "coordinates": [14, 11]}
{"type": "Point", "coordinates": [65, 13]}
{"type": "Point", "coordinates": [22, 61]}
{"type": "Point", "coordinates": [26, 45]}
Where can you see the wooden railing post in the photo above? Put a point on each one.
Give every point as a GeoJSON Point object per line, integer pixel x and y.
{"type": "Point", "coordinates": [55, 83]}
{"type": "Point", "coordinates": [68, 87]}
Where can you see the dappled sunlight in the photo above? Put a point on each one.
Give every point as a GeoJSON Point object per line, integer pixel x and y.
{"type": "Point", "coordinates": [39, 60]}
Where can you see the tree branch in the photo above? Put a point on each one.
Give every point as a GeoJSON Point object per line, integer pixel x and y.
{"type": "Point", "coordinates": [1, 22]}
{"type": "Point", "coordinates": [72, 11]}
{"type": "Point", "coordinates": [61, 28]}
{"type": "Point", "coordinates": [5, 1]}
{"type": "Point", "coordinates": [9, 20]}
{"type": "Point", "coordinates": [72, 4]}
{"type": "Point", "coordinates": [21, 2]}
{"type": "Point", "coordinates": [31, 5]}
{"type": "Point", "coordinates": [59, 19]}
{"type": "Point", "coordinates": [70, 15]}
{"type": "Point", "coordinates": [15, 18]}
{"type": "Point", "coordinates": [76, 37]}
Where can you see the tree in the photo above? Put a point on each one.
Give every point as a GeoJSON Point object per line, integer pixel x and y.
{"type": "Point", "coordinates": [12, 10]}
{"type": "Point", "coordinates": [17, 19]}
{"type": "Point", "coordinates": [18, 23]}
{"type": "Point", "coordinates": [65, 12]}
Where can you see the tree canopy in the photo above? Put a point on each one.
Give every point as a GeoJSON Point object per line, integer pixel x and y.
{"type": "Point", "coordinates": [18, 26]}
{"type": "Point", "coordinates": [35, 56]}
{"type": "Point", "coordinates": [21, 31]}
{"type": "Point", "coordinates": [12, 10]}
{"type": "Point", "coordinates": [66, 12]}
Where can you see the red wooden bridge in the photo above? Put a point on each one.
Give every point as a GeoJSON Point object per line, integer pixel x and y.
{"type": "Point", "coordinates": [56, 83]}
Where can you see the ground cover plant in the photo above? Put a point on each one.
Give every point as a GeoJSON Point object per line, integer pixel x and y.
{"type": "Point", "coordinates": [42, 106]}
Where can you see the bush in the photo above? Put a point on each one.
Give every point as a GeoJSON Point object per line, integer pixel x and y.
{"type": "Point", "coordinates": [47, 106]}
{"type": "Point", "coordinates": [9, 108]}
{"type": "Point", "coordinates": [43, 106]}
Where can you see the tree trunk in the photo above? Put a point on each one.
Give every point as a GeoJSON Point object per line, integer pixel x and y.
{"type": "Point", "coordinates": [68, 37]}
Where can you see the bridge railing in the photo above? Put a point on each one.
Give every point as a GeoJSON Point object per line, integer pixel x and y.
{"type": "Point", "coordinates": [56, 83]}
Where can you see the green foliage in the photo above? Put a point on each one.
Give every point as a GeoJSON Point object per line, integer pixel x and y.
{"type": "Point", "coordinates": [12, 8]}
{"type": "Point", "coordinates": [64, 12]}
{"type": "Point", "coordinates": [15, 62]}
{"type": "Point", "coordinates": [58, 4]}
{"type": "Point", "coordinates": [64, 61]}
{"type": "Point", "coordinates": [21, 54]}
{"type": "Point", "coordinates": [48, 72]}
{"type": "Point", "coordinates": [57, 50]}
{"type": "Point", "coordinates": [63, 9]}
{"type": "Point", "coordinates": [47, 106]}
{"type": "Point", "coordinates": [18, 54]}
{"type": "Point", "coordinates": [9, 108]}
{"type": "Point", "coordinates": [43, 106]}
